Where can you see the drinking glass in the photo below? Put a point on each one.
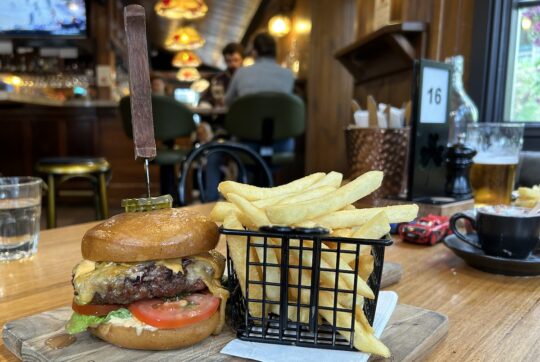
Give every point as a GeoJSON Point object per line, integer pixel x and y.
{"type": "Point", "coordinates": [493, 172]}
{"type": "Point", "coordinates": [20, 210]}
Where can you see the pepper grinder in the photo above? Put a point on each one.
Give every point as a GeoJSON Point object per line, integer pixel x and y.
{"type": "Point", "coordinates": [458, 163]}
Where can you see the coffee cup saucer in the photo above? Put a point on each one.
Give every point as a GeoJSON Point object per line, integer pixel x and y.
{"type": "Point", "coordinates": [492, 264]}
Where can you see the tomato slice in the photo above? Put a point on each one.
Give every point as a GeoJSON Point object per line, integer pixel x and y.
{"type": "Point", "coordinates": [94, 309]}
{"type": "Point", "coordinates": [167, 315]}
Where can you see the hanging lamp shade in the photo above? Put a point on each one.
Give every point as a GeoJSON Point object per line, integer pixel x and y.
{"type": "Point", "coordinates": [181, 9]}
{"type": "Point", "coordinates": [188, 74]}
{"type": "Point", "coordinates": [186, 38]}
{"type": "Point", "coordinates": [200, 85]}
{"type": "Point", "coordinates": [186, 58]}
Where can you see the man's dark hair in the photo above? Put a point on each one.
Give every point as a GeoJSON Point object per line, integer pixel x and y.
{"type": "Point", "coordinates": [232, 48]}
{"type": "Point", "coordinates": [265, 45]}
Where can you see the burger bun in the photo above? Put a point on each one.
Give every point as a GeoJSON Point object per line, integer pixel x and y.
{"type": "Point", "coordinates": [154, 235]}
{"type": "Point", "coordinates": [161, 339]}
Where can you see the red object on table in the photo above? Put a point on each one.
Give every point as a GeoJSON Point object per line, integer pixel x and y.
{"type": "Point", "coordinates": [427, 230]}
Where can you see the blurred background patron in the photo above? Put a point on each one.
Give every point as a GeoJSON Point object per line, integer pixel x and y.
{"type": "Point", "coordinates": [265, 75]}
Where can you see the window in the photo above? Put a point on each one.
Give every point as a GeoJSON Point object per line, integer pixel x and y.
{"type": "Point", "coordinates": [522, 99]}
{"type": "Point", "coordinates": [504, 79]}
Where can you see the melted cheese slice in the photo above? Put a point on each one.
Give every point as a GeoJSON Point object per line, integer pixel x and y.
{"type": "Point", "coordinates": [209, 268]}
{"type": "Point", "coordinates": [84, 267]}
{"type": "Point", "coordinates": [175, 265]}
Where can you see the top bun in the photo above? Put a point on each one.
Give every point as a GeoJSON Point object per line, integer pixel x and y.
{"type": "Point", "coordinates": [143, 236]}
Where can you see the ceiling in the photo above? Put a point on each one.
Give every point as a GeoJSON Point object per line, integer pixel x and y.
{"type": "Point", "coordinates": [226, 21]}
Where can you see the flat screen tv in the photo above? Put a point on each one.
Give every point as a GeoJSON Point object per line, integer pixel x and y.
{"type": "Point", "coordinates": [42, 18]}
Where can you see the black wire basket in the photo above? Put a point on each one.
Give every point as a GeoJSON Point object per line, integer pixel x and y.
{"type": "Point", "coordinates": [296, 321]}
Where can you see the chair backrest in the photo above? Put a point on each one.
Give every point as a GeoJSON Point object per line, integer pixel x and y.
{"type": "Point", "coordinates": [172, 119]}
{"type": "Point", "coordinates": [240, 154]}
{"type": "Point", "coordinates": [247, 116]}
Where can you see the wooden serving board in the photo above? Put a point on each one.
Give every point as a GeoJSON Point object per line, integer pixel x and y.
{"type": "Point", "coordinates": [391, 274]}
{"type": "Point", "coordinates": [411, 334]}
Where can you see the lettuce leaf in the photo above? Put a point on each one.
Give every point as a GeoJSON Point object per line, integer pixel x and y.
{"type": "Point", "coordinates": [121, 313]}
{"type": "Point", "coordinates": [79, 322]}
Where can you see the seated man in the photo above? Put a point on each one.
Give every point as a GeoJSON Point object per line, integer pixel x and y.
{"type": "Point", "coordinates": [233, 54]}
{"type": "Point", "coordinates": [263, 76]}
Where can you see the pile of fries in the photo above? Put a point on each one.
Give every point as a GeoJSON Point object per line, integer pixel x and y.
{"type": "Point", "coordinates": [316, 200]}
{"type": "Point", "coordinates": [528, 196]}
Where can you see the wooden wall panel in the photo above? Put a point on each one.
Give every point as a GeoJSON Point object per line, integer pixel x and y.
{"type": "Point", "coordinates": [451, 30]}
{"type": "Point", "coordinates": [329, 85]}
{"type": "Point", "coordinates": [449, 33]}
{"type": "Point", "coordinates": [393, 89]}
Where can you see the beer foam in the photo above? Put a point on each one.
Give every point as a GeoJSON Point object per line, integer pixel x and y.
{"type": "Point", "coordinates": [503, 210]}
{"type": "Point", "coordinates": [495, 159]}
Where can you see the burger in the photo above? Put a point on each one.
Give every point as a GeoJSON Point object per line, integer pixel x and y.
{"type": "Point", "coordinates": [150, 280]}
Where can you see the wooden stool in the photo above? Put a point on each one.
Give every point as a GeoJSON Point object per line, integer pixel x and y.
{"type": "Point", "coordinates": [60, 169]}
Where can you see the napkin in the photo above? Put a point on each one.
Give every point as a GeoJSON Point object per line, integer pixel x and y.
{"type": "Point", "coordinates": [267, 352]}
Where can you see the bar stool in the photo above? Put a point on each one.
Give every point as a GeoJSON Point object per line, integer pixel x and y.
{"type": "Point", "coordinates": [60, 169]}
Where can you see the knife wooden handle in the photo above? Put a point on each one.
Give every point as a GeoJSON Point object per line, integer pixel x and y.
{"type": "Point", "coordinates": [139, 82]}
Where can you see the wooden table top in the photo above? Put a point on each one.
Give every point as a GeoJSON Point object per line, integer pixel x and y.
{"type": "Point", "coordinates": [492, 317]}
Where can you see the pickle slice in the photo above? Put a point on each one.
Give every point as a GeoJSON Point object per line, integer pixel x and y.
{"type": "Point", "coordinates": [147, 203]}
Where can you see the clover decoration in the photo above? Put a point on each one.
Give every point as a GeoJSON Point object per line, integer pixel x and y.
{"type": "Point", "coordinates": [433, 151]}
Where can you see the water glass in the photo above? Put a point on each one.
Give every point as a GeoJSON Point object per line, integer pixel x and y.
{"type": "Point", "coordinates": [20, 211]}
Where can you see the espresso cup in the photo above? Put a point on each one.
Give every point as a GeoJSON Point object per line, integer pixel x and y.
{"type": "Point", "coordinates": [507, 232]}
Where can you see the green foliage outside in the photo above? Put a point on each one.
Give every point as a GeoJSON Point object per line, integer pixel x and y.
{"type": "Point", "coordinates": [526, 87]}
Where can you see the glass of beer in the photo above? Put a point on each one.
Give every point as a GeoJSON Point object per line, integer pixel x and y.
{"type": "Point", "coordinates": [494, 166]}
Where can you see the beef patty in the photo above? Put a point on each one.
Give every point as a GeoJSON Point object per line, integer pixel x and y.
{"type": "Point", "coordinates": [144, 280]}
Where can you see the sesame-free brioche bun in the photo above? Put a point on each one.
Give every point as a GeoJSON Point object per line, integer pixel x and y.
{"type": "Point", "coordinates": [161, 339]}
{"type": "Point", "coordinates": [153, 235]}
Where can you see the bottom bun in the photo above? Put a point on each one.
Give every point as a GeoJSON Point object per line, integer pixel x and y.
{"type": "Point", "coordinates": [161, 339]}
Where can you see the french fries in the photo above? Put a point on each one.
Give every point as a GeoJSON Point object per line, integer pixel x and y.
{"type": "Point", "coordinates": [358, 217]}
{"type": "Point", "coordinates": [251, 193]}
{"type": "Point", "coordinates": [331, 179]}
{"type": "Point", "coordinates": [238, 252]}
{"type": "Point", "coordinates": [528, 196]}
{"type": "Point", "coordinates": [315, 200]}
{"type": "Point", "coordinates": [345, 195]}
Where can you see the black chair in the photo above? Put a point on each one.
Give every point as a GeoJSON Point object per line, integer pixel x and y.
{"type": "Point", "coordinates": [240, 154]}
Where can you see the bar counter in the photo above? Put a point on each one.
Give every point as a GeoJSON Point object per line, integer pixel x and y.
{"type": "Point", "coordinates": [30, 131]}
{"type": "Point", "coordinates": [492, 317]}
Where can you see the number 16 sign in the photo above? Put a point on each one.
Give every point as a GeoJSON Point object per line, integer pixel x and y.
{"type": "Point", "coordinates": [434, 89]}
{"type": "Point", "coordinates": [431, 90]}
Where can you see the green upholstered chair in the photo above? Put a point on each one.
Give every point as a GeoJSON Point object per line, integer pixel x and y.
{"type": "Point", "coordinates": [171, 120]}
{"type": "Point", "coordinates": [265, 118]}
